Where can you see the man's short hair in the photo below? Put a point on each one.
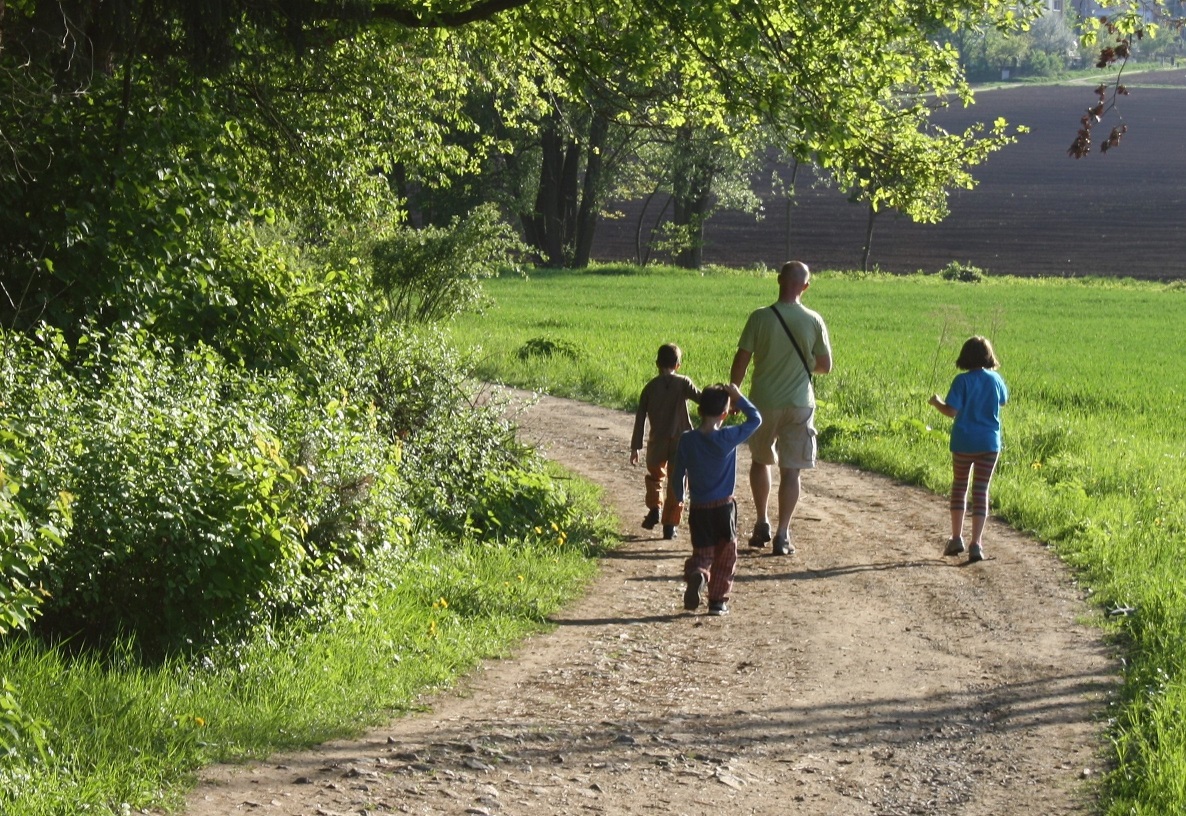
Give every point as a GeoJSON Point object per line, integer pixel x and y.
{"type": "Point", "coordinates": [794, 272]}
{"type": "Point", "coordinates": [669, 356]}
{"type": "Point", "coordinates": [714, 401]}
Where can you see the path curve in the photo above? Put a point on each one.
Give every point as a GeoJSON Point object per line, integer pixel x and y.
{"type": "Point", "coordinates": [867, 675]}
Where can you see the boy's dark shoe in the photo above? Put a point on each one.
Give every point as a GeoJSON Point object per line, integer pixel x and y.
{"type": "Point", "coordinates": [761, 535]}
{"type": "Point", "coordinates": [783, 545]}
{"type": "Point", "coordinates": [669, 532]}
{"type": "Point", "coordinates": [651, 520]}
{"type": "Point", "coordinates": [718, 608]}
{"type": "Point", "coordinates": [693, 591]}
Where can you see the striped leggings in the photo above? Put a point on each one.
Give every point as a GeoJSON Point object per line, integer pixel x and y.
{"type": "Point", "coordinates": [980, 467]}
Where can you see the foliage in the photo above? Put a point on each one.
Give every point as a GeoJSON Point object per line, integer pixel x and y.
{"type": "Point", "coordinates": [962, 272]}
{"type": "Point", "coordinates": [185, 517]}
{"type": "Point", "coordinates": [143, 171]}
{"type": "Point", "coordinates": [548, 347]}
{"type": "Point", "coordinates": [26, 540]}
{"type": "Point", "coordinates": [29, 536]}
{"type": "Point", "coordinates": [1114, 38]}
{"type": "Point", "coordinates": [432, 274]}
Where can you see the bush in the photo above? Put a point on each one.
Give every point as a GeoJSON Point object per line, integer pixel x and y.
{"type": "Point", "coordinates": [1040, 63]}
{"type": "Point", "coordinates": [32, 522]}
{"type": "Point", "coordinates": [965, 273]}
{"type": "Point", "coordinates": [434, 273]}
{"type": "Point", "coordinates": [548, 347]}
{"type": "Point", "coordinates": [207, 498]}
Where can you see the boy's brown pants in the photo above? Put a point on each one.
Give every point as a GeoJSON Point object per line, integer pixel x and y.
{"type": "Point", "coordinates": [660, 454]}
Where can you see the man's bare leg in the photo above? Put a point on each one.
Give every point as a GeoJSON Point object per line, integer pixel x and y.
{"type": "Point", "coordinates": [789, 487]}
{"type": "Point", "coordinates": [759, 482]}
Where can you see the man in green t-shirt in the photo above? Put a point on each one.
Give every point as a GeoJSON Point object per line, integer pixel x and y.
{"type": "Point", "coordinates": [788, 343]}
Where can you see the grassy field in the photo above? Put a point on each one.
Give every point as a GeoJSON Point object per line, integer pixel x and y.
{"type": "Point", "coordinates": [1094, 460]}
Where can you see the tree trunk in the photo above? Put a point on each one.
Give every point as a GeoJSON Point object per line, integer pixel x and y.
{"type": "Point", "coordinates": [591, 193]}
{"type": "Point", "coordinates": [544, 228]}
{"type": "Point", "coordinates": [691, 191]}
{"type": "Point", "coordinates": [644, 259]}
{"type": "Point", "coordinates": [558, 217]}
{"type": "Point", "coordinates": [790, 204]}
{"type": "Point", "coordinates": [691, 215]}
{"type": "Point", "coordinates": [868, 239]}
{"type": "Point", "coordinates": [646, 204]}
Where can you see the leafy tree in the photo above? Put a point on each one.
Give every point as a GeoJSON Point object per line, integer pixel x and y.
{"type": "Point", "coordinates": [1052, 33]}
{"type": "Point", "coordinates": [291, 94]}
{"type": "Point", "coordinates": [1004, 51]}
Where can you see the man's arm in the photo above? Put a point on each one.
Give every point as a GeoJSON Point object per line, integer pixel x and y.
{"type": "Point", "coordinates": [741, 364]}
{"type": "Point", "coordinates": [823, 363]}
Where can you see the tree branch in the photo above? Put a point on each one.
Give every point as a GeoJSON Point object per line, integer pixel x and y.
{"type": "Point", "coordinates": [483, 10]}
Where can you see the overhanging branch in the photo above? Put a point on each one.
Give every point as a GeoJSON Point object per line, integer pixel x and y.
{"type": "Point", "coordinates": [483, 10]}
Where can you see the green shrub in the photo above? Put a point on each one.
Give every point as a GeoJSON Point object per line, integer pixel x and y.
{"type": "Point", "coordinates": [207, 498]}
{"type": "Point", "coordinates": [185, 512]}
{"type": "Point", "coordinates": [434, 273]}
{"type": "Point", "coordinates": [548, 347]}
{"type": "Point", "coordinates": [32, 521]}
{"type": "Point", "coordinates": [210, 498]}
{"type": "Point", "coordinates": [964, 273]}
{"type": "Point", "coordinates": [26, 540]}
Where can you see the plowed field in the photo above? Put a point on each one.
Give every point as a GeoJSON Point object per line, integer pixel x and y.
{"type": "Point", "coordinates": [1035, 211]}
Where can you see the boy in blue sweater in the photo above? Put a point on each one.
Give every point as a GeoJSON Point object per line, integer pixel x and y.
{"type": "Point", "coordinates": [707, 455]}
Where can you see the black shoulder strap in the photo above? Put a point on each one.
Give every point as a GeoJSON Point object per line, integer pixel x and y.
{"type": "Point", "coordinates": [795, 343]}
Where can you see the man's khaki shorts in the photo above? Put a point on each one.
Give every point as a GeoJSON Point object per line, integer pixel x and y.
{"type": "Point", "coordinates": [785, 438]}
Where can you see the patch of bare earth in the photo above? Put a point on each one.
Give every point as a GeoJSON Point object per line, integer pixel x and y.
{"type": "Point", "coordinates": [867, 674]}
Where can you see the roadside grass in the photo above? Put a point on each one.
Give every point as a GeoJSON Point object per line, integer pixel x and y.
{"type": "Point", "coordinates": [1095, 434]}
{"type": "Point", "coordinates": [130, 737]}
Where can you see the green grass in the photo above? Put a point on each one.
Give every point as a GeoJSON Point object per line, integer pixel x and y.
{"type": "Point", "coordinates": [1095, 447]}
{"type": "Point", "coordinates": [127, 737]}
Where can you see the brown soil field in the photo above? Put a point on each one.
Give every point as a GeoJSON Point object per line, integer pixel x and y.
{"type": "Point", "coordinates": [1035, 210]}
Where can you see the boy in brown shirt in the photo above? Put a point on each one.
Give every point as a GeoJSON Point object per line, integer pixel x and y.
{"type": "Point", "coordinates": [664, 404]}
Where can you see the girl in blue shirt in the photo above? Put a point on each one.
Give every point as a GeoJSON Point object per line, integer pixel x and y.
{"type": "Point", "coordinates": [974, 401]}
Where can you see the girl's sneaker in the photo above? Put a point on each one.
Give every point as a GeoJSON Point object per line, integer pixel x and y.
{"type": "Point", "coordinates": [955, 546]}
{"type": "Point", "coordinates": [975, 553]}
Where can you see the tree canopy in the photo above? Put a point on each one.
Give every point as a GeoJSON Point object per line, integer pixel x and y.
{"type": "Point", "coordinates": [140, 137]}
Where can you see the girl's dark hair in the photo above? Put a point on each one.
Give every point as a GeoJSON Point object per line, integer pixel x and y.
{"type": "Point", "coordinates": [976, 353]}
{"type": "Point", "coordinates": [669, 355]}
{"type": "Point", "coordinates": [714, 401]}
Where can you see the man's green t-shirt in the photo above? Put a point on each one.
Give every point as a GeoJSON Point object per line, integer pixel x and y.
{"type": "Point", "coordinates": [779, 378]}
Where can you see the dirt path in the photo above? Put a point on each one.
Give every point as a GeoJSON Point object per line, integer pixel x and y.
{"type": "Point", "coordinates": [865, 675]}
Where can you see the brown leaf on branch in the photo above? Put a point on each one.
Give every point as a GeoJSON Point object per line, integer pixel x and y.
{"type": "Point", "coordinates": [1106, 96]}
{"type": "Point", "coordinates": [1081, 146]}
